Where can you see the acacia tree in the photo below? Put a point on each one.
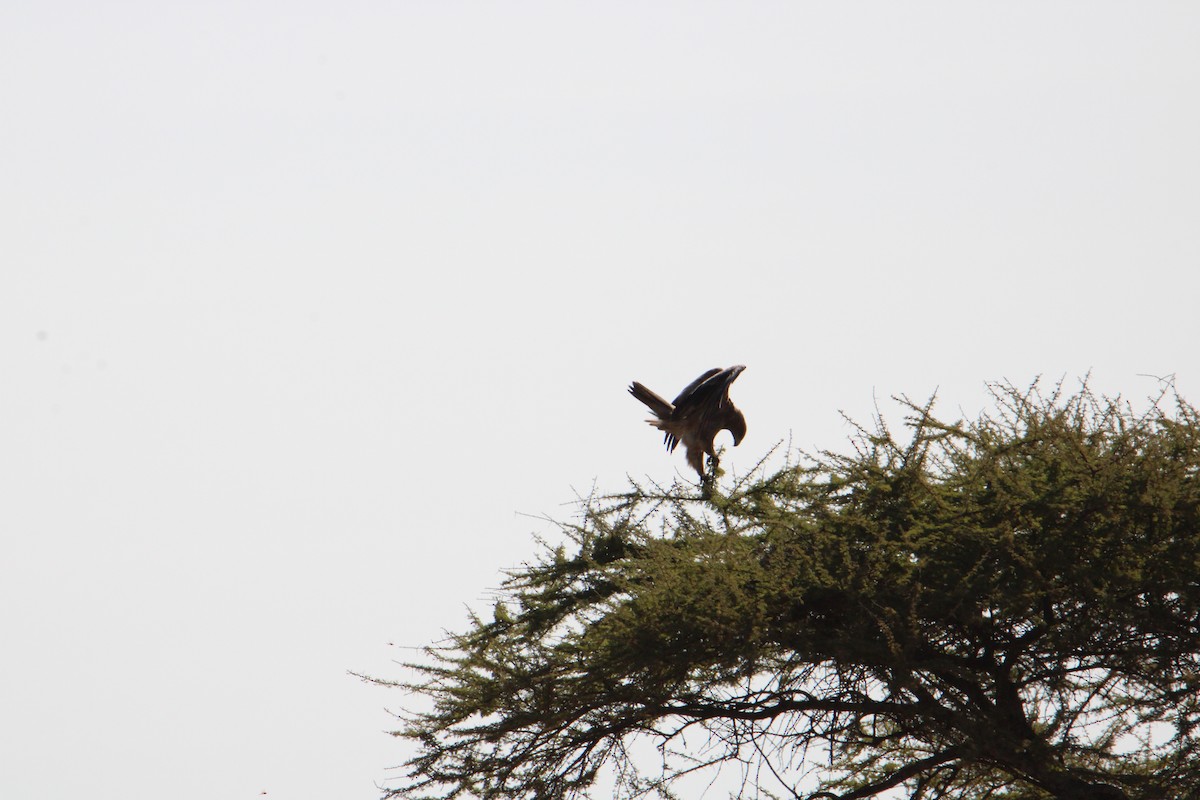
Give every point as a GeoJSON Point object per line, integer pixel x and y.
{"type": "Point", "coordinates": [1007, 607]}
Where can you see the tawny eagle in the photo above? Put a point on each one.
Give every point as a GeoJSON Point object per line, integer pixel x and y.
{"type": "Point", "coordinates": [700, 411]}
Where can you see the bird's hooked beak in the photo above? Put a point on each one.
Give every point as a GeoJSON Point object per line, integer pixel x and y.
{"type": "Point", "coordinates": [738, 430]}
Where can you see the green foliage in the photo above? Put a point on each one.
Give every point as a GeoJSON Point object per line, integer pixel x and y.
{"type": "Point", "coordinates": [1002, 608]}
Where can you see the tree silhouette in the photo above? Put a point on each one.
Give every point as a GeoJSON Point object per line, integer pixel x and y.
{"type": "Point", "coordinates": [1007, 607]}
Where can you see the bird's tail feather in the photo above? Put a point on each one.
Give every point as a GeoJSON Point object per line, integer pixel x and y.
{"type": "Point", "coordinates": [661, 408]}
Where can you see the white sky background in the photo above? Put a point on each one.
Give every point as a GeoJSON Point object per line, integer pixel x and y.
{"type": "Point", "coordinates": [303, 304]}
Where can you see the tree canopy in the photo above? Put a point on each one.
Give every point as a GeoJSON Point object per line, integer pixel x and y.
{"type": "Point", "coordinates": [1005, 607]}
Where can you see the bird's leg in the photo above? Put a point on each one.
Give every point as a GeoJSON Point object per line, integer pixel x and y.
{"type": "Point", "coordinates": [708, 478]}
{"type": "Point", "coordinates": [714, 467]}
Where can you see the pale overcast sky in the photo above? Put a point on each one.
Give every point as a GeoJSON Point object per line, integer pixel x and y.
{"type": "Point", "coordinates": [303, 306]}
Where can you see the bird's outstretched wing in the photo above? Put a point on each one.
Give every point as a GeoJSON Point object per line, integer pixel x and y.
{"type": "Point", "coordinates": [706, 397]}
{"type": "Point", "coordinates": [694, 386]}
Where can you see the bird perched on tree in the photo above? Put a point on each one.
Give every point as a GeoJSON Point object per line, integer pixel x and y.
{"type": "Point", "coordinates": [700, 411]}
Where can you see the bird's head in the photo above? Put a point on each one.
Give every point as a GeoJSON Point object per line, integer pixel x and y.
{"type": "Point", "coordinates": [737, 422]}
{"type": "Point", "coordinates": [737, 426]}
